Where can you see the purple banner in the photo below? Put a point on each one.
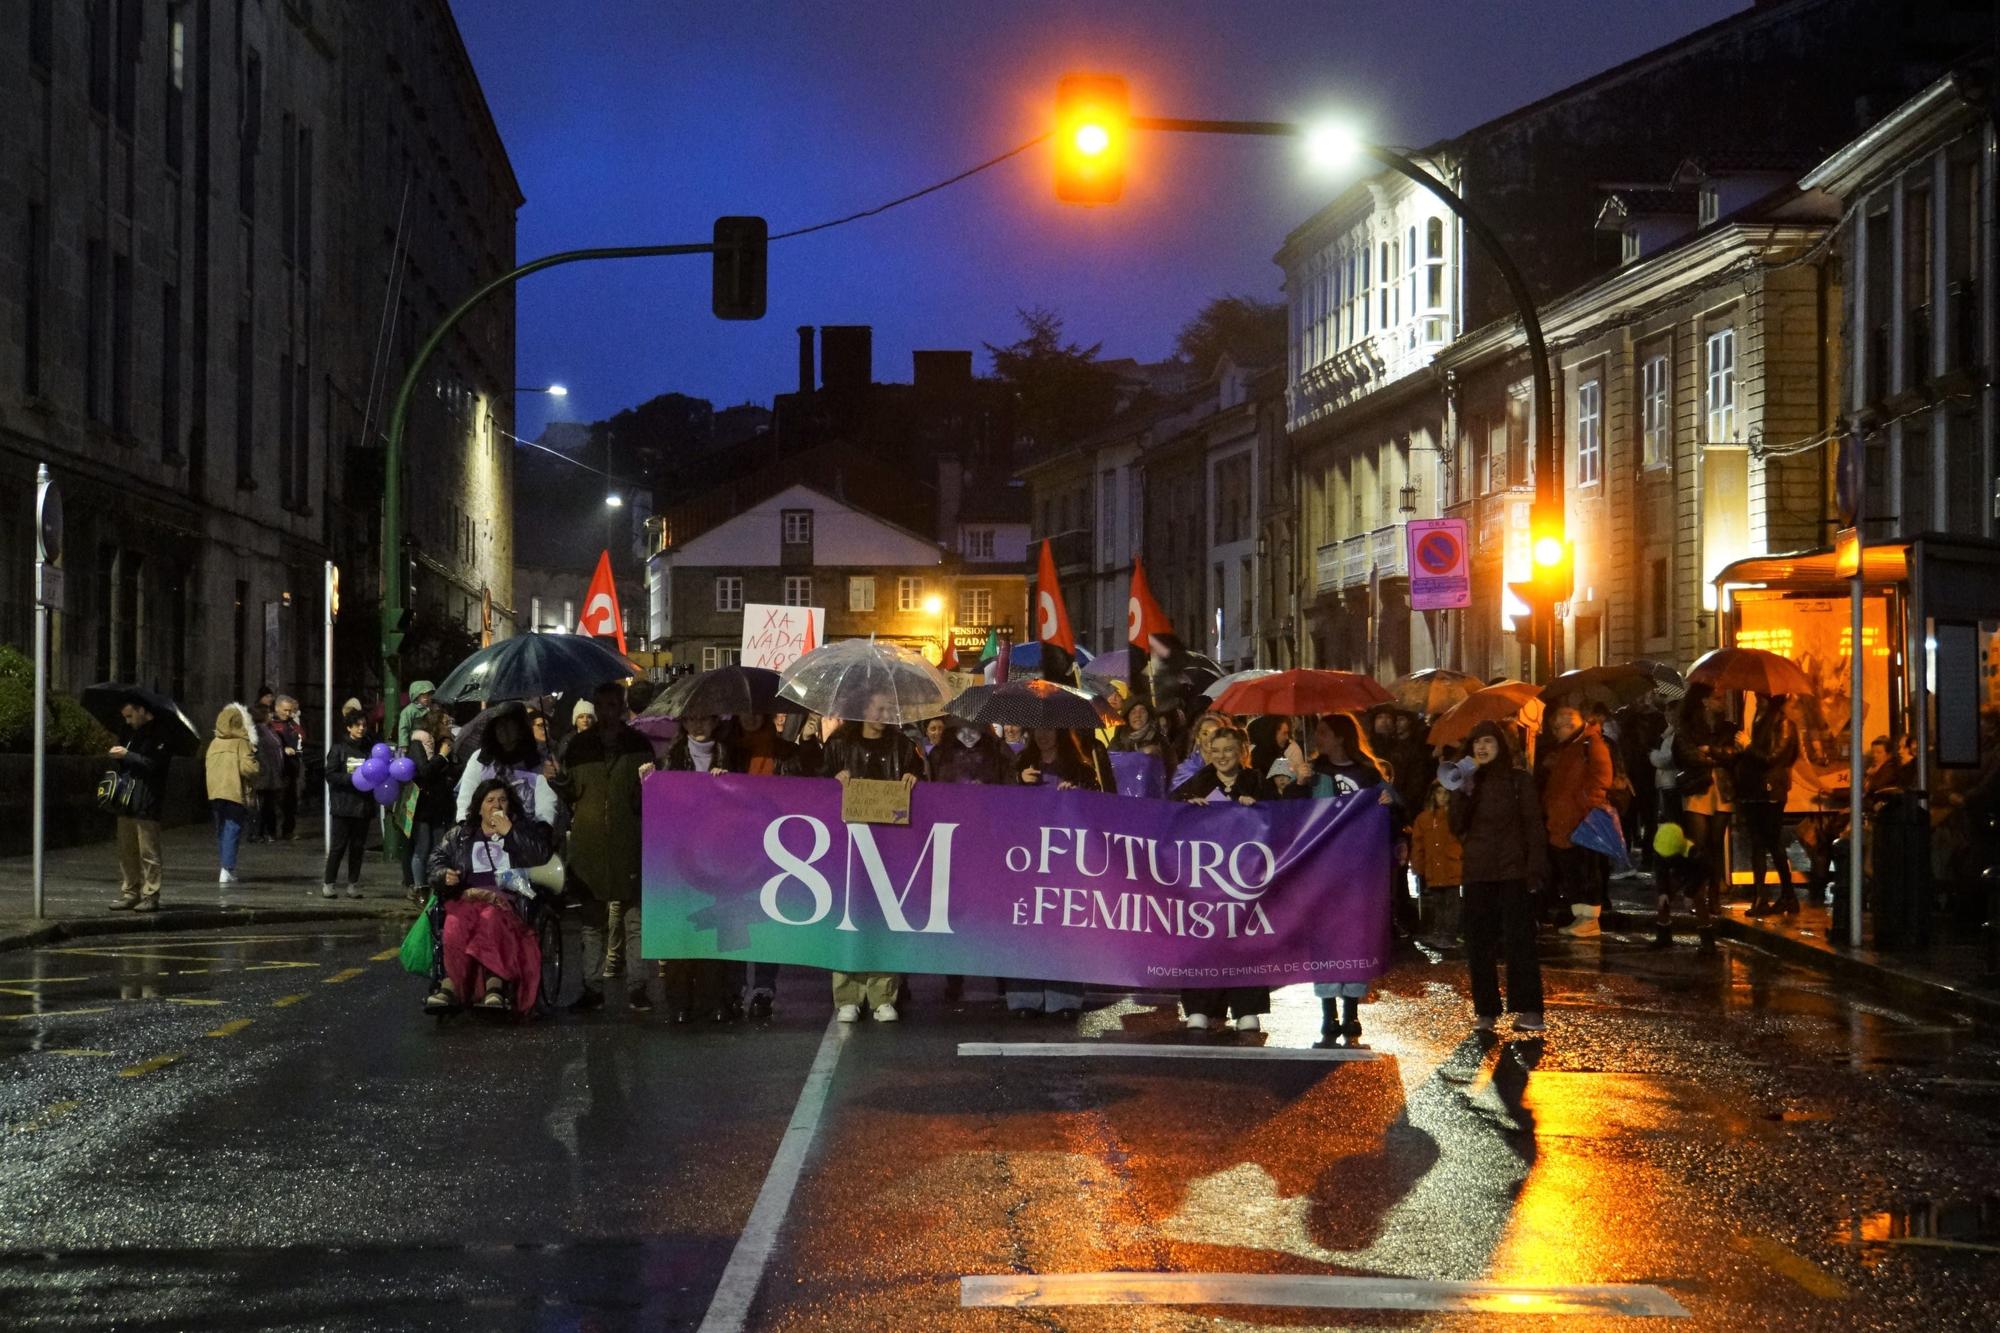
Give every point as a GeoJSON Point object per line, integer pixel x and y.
{"type": "Point", "coordinates": [1017, 881]}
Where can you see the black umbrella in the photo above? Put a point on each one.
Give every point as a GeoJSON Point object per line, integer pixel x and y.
{"type": "Point", "coordinates": [528, 666]}
{"type": "Point", "coordinates": [1667, 682]}
{"type": "Point", "coordinates": [103, 700]}
{"type": "Point", "coordinates": [729, 691]}
{"type": "Point", "coordinates": [1032, 703]}
{"type": "Point", "coordinates": [1612, 686]}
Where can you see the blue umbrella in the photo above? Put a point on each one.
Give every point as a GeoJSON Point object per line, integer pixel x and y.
{"type": "Point", "coordinates": [1025, 658]}
{"type": "Point", "coordinates": [528, 666]}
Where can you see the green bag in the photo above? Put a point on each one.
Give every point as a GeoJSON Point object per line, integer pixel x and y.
{"type": "Point", "coordinates": [417, 944]}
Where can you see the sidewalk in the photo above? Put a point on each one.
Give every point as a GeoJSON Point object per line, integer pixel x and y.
{"type": "Point", "coordinates": [1950, 975]}
{"type": "Point", "coordinates": [279, 882]}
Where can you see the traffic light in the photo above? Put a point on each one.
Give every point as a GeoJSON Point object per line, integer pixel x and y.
{"type": "Point", "coordinates": [1552, 567]}
{"type": "Point", "coordinates": [1093, 122]}
{"type": "Point", "coordinates": [742, 248]}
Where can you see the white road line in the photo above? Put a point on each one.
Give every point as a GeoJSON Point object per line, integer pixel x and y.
{"type": "Point", "coordinates": [1309, 1291]}
{"type": "Point", "coordinates": [1148, 1051]}
{"type": "Point", "coordinates": [730, 1307]}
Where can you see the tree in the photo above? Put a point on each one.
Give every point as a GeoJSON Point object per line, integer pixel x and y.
{"type": "Point", "coordinates": [1247, 331]}
{"type": "Point", "coordinates": [1063, 392]}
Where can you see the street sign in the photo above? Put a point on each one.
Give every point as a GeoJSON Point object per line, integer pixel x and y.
{"type": "Point", "coordinates": [48, 521]}
{"type": "Point", "coordinates": [49, 592]}
{"type": "Point", "coordinates": [1440, 577]}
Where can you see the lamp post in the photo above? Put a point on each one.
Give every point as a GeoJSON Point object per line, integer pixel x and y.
{"type": "Point", "coordinates": [552, 390]}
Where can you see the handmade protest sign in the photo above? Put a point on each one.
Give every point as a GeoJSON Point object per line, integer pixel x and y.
{"type": "Point", "coordinates": [1017, 881]}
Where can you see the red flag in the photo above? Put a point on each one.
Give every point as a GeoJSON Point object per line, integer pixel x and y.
{"type": "Point", "coordinates": [808, 645]}
{"type": "Point", "coordinates": [949, 661]}
{"type": "Point", "coordinates": [601, 618]}
{"type": "Point", "coordinates": [1143, 617]}
{"type": "Point", "coordinates": [1051, 616]}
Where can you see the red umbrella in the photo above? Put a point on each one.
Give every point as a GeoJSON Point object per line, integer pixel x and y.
{"type": "Point", "coordinates": [1496, 703]}
{"type": "Point", "coordinates": [1290, 693]}
{"type": "Point", "coordinates": [1749, 670]}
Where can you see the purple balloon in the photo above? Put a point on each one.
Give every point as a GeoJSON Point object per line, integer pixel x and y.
{"type": "Point", "coordinates": [387, 792]}
{"type": "Point", "coordinates": [376, 769]}
{"type": "Point", "coordinates": [403, 770]}
{"type": "Point", "coordinates": [364, 780]}
{"type": "Point", "coordinates": [381, 750]}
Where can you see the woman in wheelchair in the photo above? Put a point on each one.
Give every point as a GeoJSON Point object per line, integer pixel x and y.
{"type": "Point", "coordinates": [487, 952]}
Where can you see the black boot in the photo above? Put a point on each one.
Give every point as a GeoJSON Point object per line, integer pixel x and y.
{"type": "Point", "coordinates": [1663, 937]}
{"type": "Point", "coordinates": [1707, 934]}
{"type": "Point", "coordinates": [1350, 1026]}
{"type": "Point", "coordinates": [1329, 1020]}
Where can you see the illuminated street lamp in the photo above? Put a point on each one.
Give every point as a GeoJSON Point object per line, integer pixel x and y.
{"type": "Point", "coordinates": [552, 390]}
{"type": "Point", "coordinates": [613, 500]}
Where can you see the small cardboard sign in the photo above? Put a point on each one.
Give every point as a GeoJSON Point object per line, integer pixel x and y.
{"type": "Point", "coordinates": [873, 801]}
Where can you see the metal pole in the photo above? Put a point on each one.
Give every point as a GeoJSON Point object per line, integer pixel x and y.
{"type": "Point", "coordinates": [1857, 744]}
{"type": "Point", "coordinates": [41, 779]}
{"type": "Point", "coordinates": [392, 453]}
{"type": "Point", "coordinates": [328, 593]}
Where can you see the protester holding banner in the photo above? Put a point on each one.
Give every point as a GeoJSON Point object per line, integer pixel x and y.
{"type": "Point", "coordinates": [1498, 819]}
{"type": "Point", "coordinates": [973, 754]}
{"type": "Point", "coordinates": [700, 748]}
{"type": "Point", "coordinates": [1224, 778]}
{"type": "Point", "coordinates": [1141, 733]}
{"type": "Point", "coordinates": [1343, 766]}
{"type": "Point", "coordinates": [600, 781]}
{"type": "Point", "coordinates": [870, 749]}
{"type": "Point", "coordinates": [1059, 759]}
{"type": "Point", "coordinates": [1205, 726]}
{"type": "Point", "coordinates": [756, 747]}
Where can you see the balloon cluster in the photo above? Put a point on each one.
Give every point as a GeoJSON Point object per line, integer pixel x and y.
{"type": "Point", "coordinates": [384, 773]}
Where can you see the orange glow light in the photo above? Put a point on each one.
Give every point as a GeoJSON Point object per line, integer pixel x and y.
{"type": "Point", "coordinates": [1091, 139]}
{"type": "Point", "coordinates": [1548, 550]}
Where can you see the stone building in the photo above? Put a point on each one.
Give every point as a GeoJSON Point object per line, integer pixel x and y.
{"type": "Point", "coordinates": [224, 229]}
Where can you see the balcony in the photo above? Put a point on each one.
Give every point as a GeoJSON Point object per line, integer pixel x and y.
{"type": "Point", "coordinates": [1354, 562]}
{"type": "Point", "coordinates": [1326, 568]}
{"type": "Point", "coordinates": [1389, 552]}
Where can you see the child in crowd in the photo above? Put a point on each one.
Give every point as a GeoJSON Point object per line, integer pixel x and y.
{"type": "Point", "coordinates": [1439, 862]}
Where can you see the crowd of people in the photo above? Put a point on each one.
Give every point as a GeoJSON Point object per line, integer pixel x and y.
{"type": "Point", "coordinates": [1496, 838]}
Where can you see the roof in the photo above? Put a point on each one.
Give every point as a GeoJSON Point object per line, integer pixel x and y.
{"type": "Point", "coordinates": [1953, 98]}
{"type": "Point", "coordinates": [1817, 570]}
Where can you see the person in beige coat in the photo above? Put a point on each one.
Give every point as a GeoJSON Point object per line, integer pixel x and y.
{"type": "Point", "coordinates": [233, 768]}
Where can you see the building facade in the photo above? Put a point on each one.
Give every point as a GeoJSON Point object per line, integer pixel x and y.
{"type": "Point", "coordinates": [226, 229]}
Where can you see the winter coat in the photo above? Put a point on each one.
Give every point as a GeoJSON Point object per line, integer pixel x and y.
{"type": "Point", "coordinates": [888, 758]}
{"type": "Point", "coordinates": [233, 766]}
{"type": "Point", "coordinates": [531, 789]}
{"type": "Point", "coordinates": [1435, 853]}
{"type": "Point", "coordinates": [291, 736]}
{"type": "Point", "coordinates": [988, 762]}
{"type": "Point", "coordinates": [1324, 778]}
{"type": "Point", "coordinates": [1763, 770]}
{"type": "Point", "coordinates": [1702, 749]}
{"type": "Point", "coordinates": [146, 760]}
{"type": "Point", "coordinates": [1498, 821]}
{"type": "Point", "coordinates": [680, 756]}
{"type": "Point", "coordinates": [1248, 782]}
{"type": "Point", "coordinates": [763, 753]}
{"type": "Point", "coordinates": [434, 779]}
{"type": "Point", "coordinates": [342, 758]}
{"type": "Point", "coordinates": [528, 844]}
{"type": "Point", "coordinates": [601, 786]}
{"type": "Point", "coordinates": [270, 759]}
{"type": "Point", "coordinates": [1073, 764]}
{"type": "Point", "coordinates": [1576, 779]}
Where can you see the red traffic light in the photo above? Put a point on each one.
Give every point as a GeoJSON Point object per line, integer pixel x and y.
{"type": "Point", "coordinates": [1093, 122]}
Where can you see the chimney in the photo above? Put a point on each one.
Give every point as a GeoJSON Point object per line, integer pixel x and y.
{"type": "Point", "coordinates": [806, 383]}
{"type": "Point", "coordinates": [846, 356]}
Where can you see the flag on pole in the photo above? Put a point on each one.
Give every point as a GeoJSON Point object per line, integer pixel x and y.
{"type": "Point", "coordinates": [1143, 619]}
{"type": "Point", "coordinates": [991, 648]}
{"type": "Point", "coordinates": [808, 645]}
{"type": "Point", "coordinates": [1052, 620]}
{"type": "Point", "coordinates": [948, 660]}
{"type": "Point", "coordinates": [601, 617]}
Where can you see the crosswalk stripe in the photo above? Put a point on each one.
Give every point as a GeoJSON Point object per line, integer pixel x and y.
{"type": "Point", "coordinates": [231, 1028]}
{"type": "Point", "coordinates": [1312, 1291]}
{"type": "Point", "coordinates": [1150, 1051]}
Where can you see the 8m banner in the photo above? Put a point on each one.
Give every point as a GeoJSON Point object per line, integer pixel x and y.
{"type": "Point", "coordinates": [1017, 881]}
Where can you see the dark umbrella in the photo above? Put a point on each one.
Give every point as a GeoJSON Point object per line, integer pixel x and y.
{"type": "Point", "coordinates": [729, 691]}
{"type": "Point", "coordinates": [1667, 682]}
{"type": "Point", "coordinates": [103, 700]}
{"type": "Point", "coordinates": [473, 733]}
{"type": "Point", "coordinates": [1032, 703]}
{"type": "Point", "coordinates": [1612, 686]}
{"type": "Point", "coordinates": [530, 665]}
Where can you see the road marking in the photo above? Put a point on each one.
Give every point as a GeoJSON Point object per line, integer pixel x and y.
{"type": "Point", "coordinates": [1145, 1050]}
{"type": "Point", "coordinates": [153, 1065]}
{"type": "Point", "coordinates": [46, 1118]}
{"type": "Point", "coordinates": [231, 1028]}
{"type": "Point", "coordinates": [345, 974]}
{"type": "Point", "coordinates": [284, 1001]}
{"type": "Point", "coordinates": [386, 955]}
{"type": "Point", "coordinates": [730, 1307]}
{"type": "Point", "coordinates": [81, 1052]}
{"type": "Point", "coordinates": [1801, 1271]}
{"type": "Point", "coordinates": [38, 981]}
{"type": "Point", "coordinates": [52, 1013]}
{"type": "Point", "coordinates": [189, 999]}
{"type": "Point", "coordinates": [1311, 1291]}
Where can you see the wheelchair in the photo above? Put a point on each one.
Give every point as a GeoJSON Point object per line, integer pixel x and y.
{"type": "Point", "coordinates": [545, 919]}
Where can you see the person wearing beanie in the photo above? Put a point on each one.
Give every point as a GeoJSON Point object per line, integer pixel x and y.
{"type": "Point", "coordinates": [1497, 818]}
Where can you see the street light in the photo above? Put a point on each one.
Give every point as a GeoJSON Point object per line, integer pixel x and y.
{"type": "Point", "coordinates": [552, 390]}
{"type": "Point", "coordinates": [1332, 146]}
{"type": "Point", "coordinates": [613, 500]}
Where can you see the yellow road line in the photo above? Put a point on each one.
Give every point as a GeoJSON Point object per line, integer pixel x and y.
{"type": "Point", "coordinates": [38, 981]}
{"type": "Point", "coordinates": [158, 1062]}
{"type": "Point", "coordinates": [345, 974]}
{"type": "Point", "coordinates": [386, 955]}
{"type": "Point", "coordinates": [1800, 1270]}
{"type": "Point", "coordinates": [75, 1051]}
{"type": "Point", "coordinates": [51, 1013]}
{"type": "Point", "coordinates": [284, 1000]}
{"type": "Point", "coordinates": [46, 1118]}
{"type": "Point", "coordinates": [188, 999]}
{"type": "Point", "coordinates": [231, 1028]}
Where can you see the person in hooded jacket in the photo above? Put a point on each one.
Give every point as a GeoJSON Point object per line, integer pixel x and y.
{"type": "Point", "coordinates": [1497, 816]}
{"type": "Point", "coordinates": [1576, 773]}
{"type": "Point", "coordinates": [970, 753]}
{"type": "Point", "coordinates": [233, 768]}
{"type": "Point", "coordinates": [600, 784]}
{"type": "Point", "coordinates": [430, 749]}
{"type": "Point", "coordinates": [352, 809]}
{"type": "Point", "coordinates": [270, 776]}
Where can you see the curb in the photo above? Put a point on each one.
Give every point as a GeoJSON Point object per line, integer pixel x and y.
{"type": "Point", "coordinates": [203, 918]}
{"type": "Point", "coordinates": [1982, 1010]}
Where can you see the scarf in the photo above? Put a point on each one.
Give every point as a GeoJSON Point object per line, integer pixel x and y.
{"type": "Point", "coordinates": [701, 754]}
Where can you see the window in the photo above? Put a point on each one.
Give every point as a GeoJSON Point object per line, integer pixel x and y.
{"type": "Point", "coordinates": [798, 590]}
{"type": "Point", "coordinates": [1519, 472]}
{"type": "Point", "coordinates": [98, 34]}
{"type": "Point", "coordinates": [288, 188]}
{"type": "Point", "coordinates": [1246, 597]}
{"type": "Point", "coordinates": [41, 32]}
{"type": "Point", "coordinates": [121, 344]}
{"type": "Point", "coordinates": [713, 656]}
{"type": "Point", "coordinates": [975, 606]}
{"type": "Point", "coordinates": [729, 593]}
{"type": "Point", "coordinates": [176, 86]}
{"type": "Point", "coordinates": [246, 368]}
{"type": "Point", "coordinates": [1589, 432]}
{"type": "Point", "coordinates": [1655, 418]}
{"type": "Point", "coordinates": [304, 212]}
{"type": "Point", "coordinates": [1719, 399]}
{"type": "Point", "coordinates": [1659, 619]}
{"type": "Point", "coordinates": [798, 527]}
{"type": "Point", "coordinates": [1628, 245]}
{"type": "Point", "coordinates": [909, 594]}
{"type": "Point", "coordinates": [128, 62]}
{"type": "Point", "coordinates": [1708, 206]}
{"type": "Point", "coordinates": [979, 541]}
{"type": "Point", "coordinates": [31, 300]}
{"type": "Point", "coordinates": [861, 593]}
{"type": "Point", "coordinates": [250, 126]}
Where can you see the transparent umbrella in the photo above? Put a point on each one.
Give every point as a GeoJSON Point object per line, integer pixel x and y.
{"type": "Point", "coordinates": [860, 680]}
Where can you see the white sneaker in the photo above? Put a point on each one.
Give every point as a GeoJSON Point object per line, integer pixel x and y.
{"type": "Point", "coordinates": [848, 1013]}
{"type": "Point", "coordinates": [886, 1013]}
{"type": "Point", "coordinates": [1198, 1021]}
{"type": "Point", "coordinates": [1248, 1023]}
{"type": "Point", "coordinates": [1530, 1022]}
{"type": "Point", "coordinates": [226, 877]}
{"type": "Point", "coordinates": [354, 890]}
{"type": "Point", "coordinates": [328, 891]}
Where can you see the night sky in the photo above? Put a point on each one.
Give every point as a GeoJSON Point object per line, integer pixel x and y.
{"type": "Point", "coordinates": [638, 121]}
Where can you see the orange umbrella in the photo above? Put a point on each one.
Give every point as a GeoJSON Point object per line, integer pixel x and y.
{"type": "Point", "coordinates": [1496, 703]}
{"type": "Point", "coordinates": [1751, 670]}
{"type": "Point", "coordinates": [1433, 690]}
{"type": "Point", "coordinates": [1290, 693]}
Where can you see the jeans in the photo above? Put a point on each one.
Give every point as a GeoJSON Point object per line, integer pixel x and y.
{"type": "Point", "coordinates": [288, 807]}
{"type": "Point", "coordinates": [423, 840]}
{"type": "Point", "coordinates": [1045, 997]}
{"type": "Point", "coordinates": [608, 947]}
{"type": "Point", "coordinates": [230, 818]}
{"type": "Point", "coordinates": [350, 838]}
{"type": "Point", "coordinates": [1500, 922]}
{"type": "Point", "coordinates": [764, 978]}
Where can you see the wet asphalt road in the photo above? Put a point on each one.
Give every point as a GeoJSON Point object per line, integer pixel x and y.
{"type": "Point", "coordinates": [257, 1129]}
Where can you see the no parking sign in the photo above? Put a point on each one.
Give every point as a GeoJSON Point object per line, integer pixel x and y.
{"type": "Point", "coordinates": [1439, 577]}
